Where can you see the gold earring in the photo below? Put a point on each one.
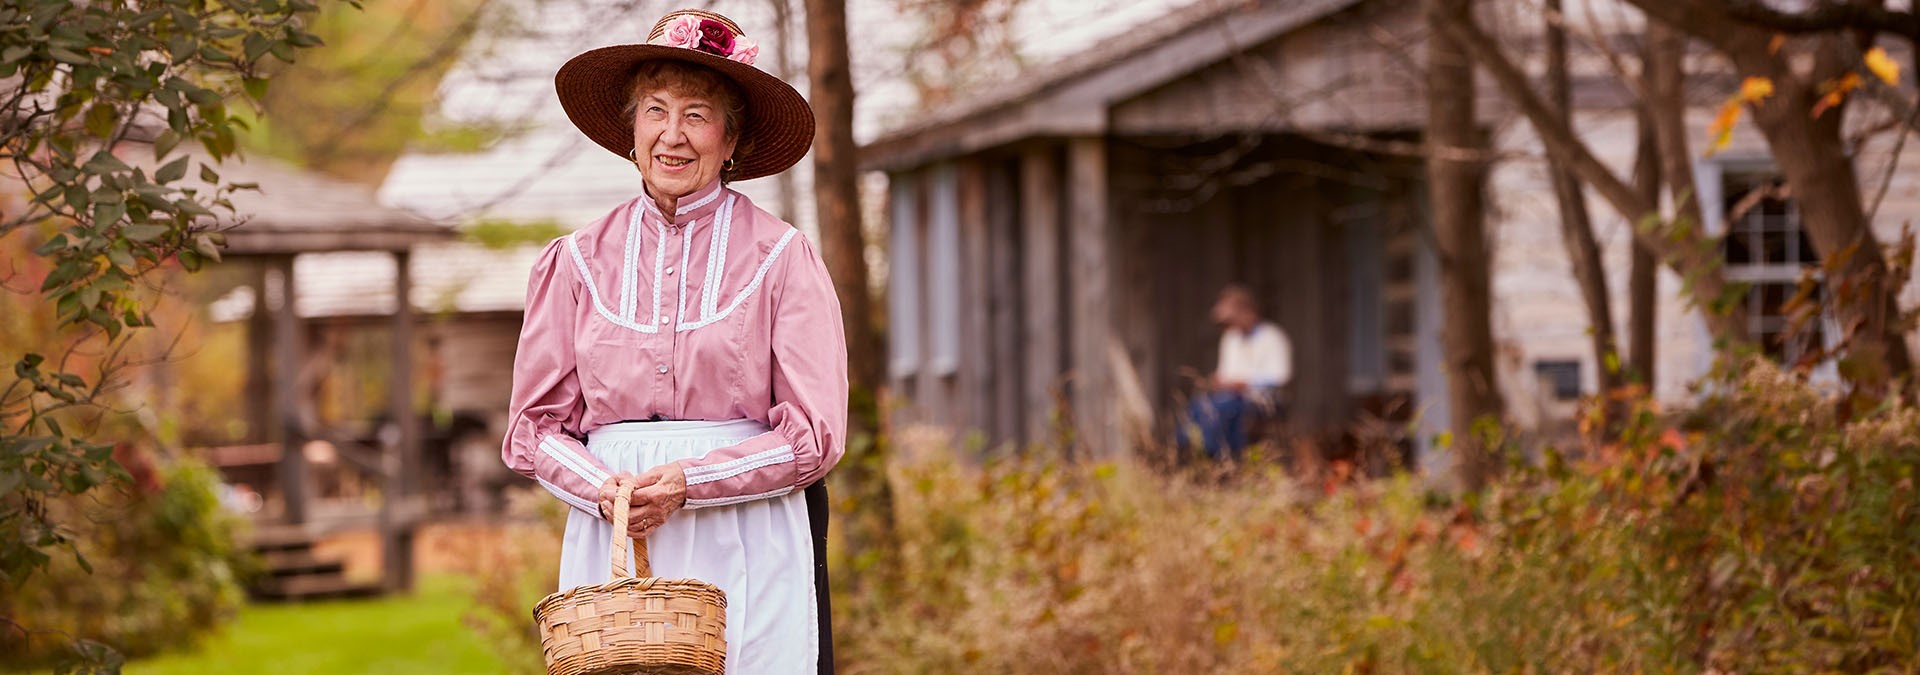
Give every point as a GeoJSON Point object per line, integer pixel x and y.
{"type": "Point", "coordinates": [727, 166]}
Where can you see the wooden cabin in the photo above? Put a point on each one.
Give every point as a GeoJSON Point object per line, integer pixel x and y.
{"type": "Point", "coordinates": [1055, 241]}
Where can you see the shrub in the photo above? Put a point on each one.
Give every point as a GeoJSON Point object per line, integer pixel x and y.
{"type": "Point", "coordinates": [1761, 531]}
{"type": "Point", "coordinates": [513, 570]}
{"type": "Point", "coordinates": [164, 570]}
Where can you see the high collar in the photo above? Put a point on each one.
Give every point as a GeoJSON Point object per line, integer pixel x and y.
{"type": "Point", "coordinates": [691, 208]}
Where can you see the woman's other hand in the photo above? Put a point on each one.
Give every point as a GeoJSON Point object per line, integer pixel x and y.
{"type": "Point", "coordinates": [662, 491]}
{"type": "Point", "coordinates": [609, 491]}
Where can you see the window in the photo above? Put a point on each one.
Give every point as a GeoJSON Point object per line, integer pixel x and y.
{"type": "Point", "coordinates": [1766, 249]}
{"type": "Point", "coordinates": [1561, 376]}
{"type": "Point", "coordinates": [903, 292]}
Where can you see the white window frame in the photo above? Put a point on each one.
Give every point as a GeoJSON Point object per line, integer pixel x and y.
{"type": "Point", "coordinates": [1709, 176]}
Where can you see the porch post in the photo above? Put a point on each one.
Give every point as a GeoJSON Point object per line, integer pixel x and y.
{"type": "Point", "coordinates": [287, 391]}
{"type": "Point", "coordinates": [1090, 265]}
{"type": "Point", "coordinates": [1040, 234]}
{"type": "Point", "coordinates": [260, 352]}
{"type": "Point", "coordinates": [398, 512]}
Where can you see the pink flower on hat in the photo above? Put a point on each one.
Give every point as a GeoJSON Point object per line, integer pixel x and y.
{"type": "Point", "coordinates": [683, 32]}
{"type": "Point", "coordinates": [745, 51]}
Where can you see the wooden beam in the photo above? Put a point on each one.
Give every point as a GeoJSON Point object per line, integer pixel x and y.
{"type": "Point", "coordinates": [287, 390]}
{"type": "Point", "coordinates": [259, 391]}
{"type": "Point", "coordinates": [976, 274]}
{"type": "Point", "coordinates": [1090, 265]}
{"type": "Point", "coordinates": [397, 498]}
{"type": "Point", "coordinates": [1006, 302]}
{"type": "Point", "coordinates": [1040, 234]}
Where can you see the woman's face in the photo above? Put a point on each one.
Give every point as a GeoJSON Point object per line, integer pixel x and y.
{"type": "Point", "coordinates": [680, 142]}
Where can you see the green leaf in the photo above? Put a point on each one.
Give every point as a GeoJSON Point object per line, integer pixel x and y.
{"type": "Point", "coordinates": [102, 118]}
{"type": "Point", "coordinates": [53, 245]}
{"type": "Point", "coordinates": [119, 256]}
{"type": "Point", "coordinates": [104, 162]}
{"type": "Point", "coordinates": [165, 144]}
{"type": "Point", "coordinates": [67, 56]}
{"type": "Point", "coordinates": [205, 245]}
{"type": "Point", "coordinates": [172, 171]}
{"type": "Point", "coordinates": [208, 174]}
{"type": "Point", "coordinates": [107, 213]}
{"type": "Point", "coordinates": [256, 45]}
{"type": "Point", "coordinates": [256, 87]}
{"type": "Point", "coordinates": [144, 233]}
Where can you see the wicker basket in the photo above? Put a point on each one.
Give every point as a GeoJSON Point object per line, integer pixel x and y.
{"type": "Point", "coordinates": [634, 624]}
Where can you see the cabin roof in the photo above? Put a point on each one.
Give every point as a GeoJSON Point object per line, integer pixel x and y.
{"type": "Point", "coordinates": [1072, 96]}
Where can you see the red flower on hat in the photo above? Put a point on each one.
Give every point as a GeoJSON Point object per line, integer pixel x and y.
{"type": "Point", "coordinates": [715, 38]}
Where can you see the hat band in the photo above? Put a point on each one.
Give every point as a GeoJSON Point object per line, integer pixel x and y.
{"type": "Point", "coordinates": [713, 36]}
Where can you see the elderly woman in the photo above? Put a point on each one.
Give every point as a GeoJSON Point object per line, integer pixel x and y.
{"type": "Point", "coordinates": [690, 342]}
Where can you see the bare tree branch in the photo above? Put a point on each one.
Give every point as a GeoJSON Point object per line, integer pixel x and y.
{"type": "Point", "coordinates": [1684, 247]}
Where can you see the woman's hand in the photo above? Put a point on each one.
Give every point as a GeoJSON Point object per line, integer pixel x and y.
{"type": "Point", "coordinates": [609, 491]}
{"type": "Point", "coordinates": [663, 491]}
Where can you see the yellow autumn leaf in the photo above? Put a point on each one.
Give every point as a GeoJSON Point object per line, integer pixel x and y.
{"type": "Point", "coordinates": [1753, 89]}
{"type": "Point", "coordinates": [1883, 66]}
{"type": "Point", "coordinates": [1722, 127]}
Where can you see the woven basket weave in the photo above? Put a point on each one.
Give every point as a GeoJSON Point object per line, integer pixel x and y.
{"type": "Point", "coordinates": [636, 625]}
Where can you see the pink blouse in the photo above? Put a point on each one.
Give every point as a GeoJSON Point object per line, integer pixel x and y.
{"type": "Point", "coordinates": [721, 312]}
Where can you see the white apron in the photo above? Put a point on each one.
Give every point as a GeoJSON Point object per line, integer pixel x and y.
{"type": "Point", "coordinates": [759, 552]}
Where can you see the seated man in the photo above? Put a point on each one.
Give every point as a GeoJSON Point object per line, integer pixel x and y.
{"type": "Point", "coordinates": [1256, 360]}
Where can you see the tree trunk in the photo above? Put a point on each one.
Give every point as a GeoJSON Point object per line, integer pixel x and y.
{"type": "Point", "coordinates": [1576, 228]}
{"type": "Point", "coordinates": [1812, 155]}
{"type": "Point", "coordinates": [836, 200]}
{"type": "Point", "coordinates": [1459, 216]}
{"type": "Point", "coordinates": [1682, 246]}
{"type": "Point", "coordinates": [1642, 275]}
{"type": "Point", "coordinates": [783, 69]}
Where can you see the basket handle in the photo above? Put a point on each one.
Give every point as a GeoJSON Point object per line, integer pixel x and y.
{"type": "Point", "coordinates": [622, 501]}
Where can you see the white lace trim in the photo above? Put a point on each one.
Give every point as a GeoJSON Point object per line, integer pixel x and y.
{"type": "Point", "coordinates": [759, 276]}
{"type": "Point", "coordinates": [573, 462]}
{"type": "Point", "coordinates": [593, 289]}
{"type": "Point", "coordinates": [709, 308]}
{"type": "Point", "coordinates": [716, 259]}
{"type": "Point", "coordinates": [723, 501]}
{"type": "Point", "coordinates": [683, 208]}
{"type": "Point", "coordinates": [571, 499]}
{"type": "Point", "coordinates": [729, 469]}
{"type": "Point", "coordinates": [629, 274]}
{"type": "Point", "coordinates": [686, 254]}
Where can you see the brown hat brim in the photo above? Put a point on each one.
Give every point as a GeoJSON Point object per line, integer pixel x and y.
{"type": "Point", "coordinates": [594, 89]}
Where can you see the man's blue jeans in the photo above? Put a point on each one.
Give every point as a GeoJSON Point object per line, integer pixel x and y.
{"type": "Point", "coordinates": [1220, 417]}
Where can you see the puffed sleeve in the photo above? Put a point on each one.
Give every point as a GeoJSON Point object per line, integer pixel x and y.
{"type": "Point", "coordinates": [543, 428]}
{"type": "Point", "coordinates": [809, 415]}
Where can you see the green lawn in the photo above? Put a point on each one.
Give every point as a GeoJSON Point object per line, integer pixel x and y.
{"type": "Point", "coordinates": [421, 633]}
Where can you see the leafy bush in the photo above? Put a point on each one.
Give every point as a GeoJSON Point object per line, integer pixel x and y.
{"type": "Point", "coordinates": [1761, 531]}
{"type": "Point", "coordinates": [1765, 531]}
{"type": "Point", "coordinates": [513, 570]}
{"type": "Point", "coordinates": [164, 569]}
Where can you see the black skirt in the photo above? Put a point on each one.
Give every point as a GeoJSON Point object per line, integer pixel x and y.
{"type": "Point", "coordinates": [817, 523]}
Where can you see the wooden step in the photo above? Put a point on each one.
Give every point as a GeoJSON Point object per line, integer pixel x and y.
{"type": "Point", "coordinates": [280, 538]}
{"type": "Point", "coordinates": [315, 587]}
{"type": "Point", "coordinates": [290, 563]}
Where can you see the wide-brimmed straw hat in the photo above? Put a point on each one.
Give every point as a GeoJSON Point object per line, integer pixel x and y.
{"type": "Point", "coordinates": [595, 87]}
